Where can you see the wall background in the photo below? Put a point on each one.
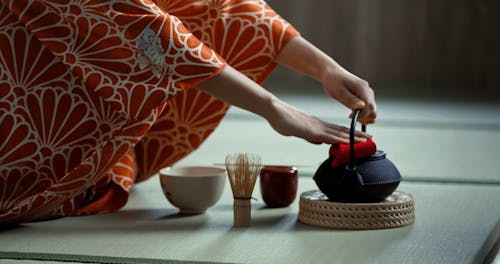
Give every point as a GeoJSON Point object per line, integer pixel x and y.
{"type": "Point", "coordinates": [412, 48]}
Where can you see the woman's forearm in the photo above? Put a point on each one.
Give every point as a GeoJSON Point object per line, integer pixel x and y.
{"type": "Point", "coordinates": [302, 56]}
{"type": "Point", "coordinates": [236, 89]}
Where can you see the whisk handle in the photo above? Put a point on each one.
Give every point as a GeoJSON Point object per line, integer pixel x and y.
{"type": "Point", "coordinates": [241, 208]}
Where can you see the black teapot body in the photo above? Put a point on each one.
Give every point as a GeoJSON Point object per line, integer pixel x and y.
{"type": "Point", "coordinates": [369, 179]}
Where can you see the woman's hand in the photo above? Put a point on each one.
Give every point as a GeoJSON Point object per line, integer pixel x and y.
{"type": "Point", "coordinates": [290, 121]}
{"type": "Point", "coordinates": [351, 91]}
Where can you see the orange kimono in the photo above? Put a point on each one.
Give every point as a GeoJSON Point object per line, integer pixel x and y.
{"type": "Point", "coordinates": [94, 94]}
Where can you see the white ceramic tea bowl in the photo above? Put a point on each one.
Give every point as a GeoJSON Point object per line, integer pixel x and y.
{"type": "Point", "coordinates": [193, 189]}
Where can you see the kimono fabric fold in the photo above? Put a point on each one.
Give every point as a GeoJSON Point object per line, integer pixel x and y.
{"type": "Point", "coordinates": [95, 95]}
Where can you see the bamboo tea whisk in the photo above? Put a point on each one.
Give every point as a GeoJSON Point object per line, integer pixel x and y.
{"type": "Point", "coordinates": [242, 170]}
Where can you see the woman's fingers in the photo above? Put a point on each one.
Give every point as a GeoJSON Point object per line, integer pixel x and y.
{"type": "Point", "coordinates": [367, 115]}
{"type": "Point", "coordinates": [348, 98]}
{"type": "Point", "coordinates": [344, 131]}
{"type": "Point", "coordinates": [339, 134]}
{"type": "Point", "coordinates": [358, 96]}
{"type": "Point", "coordinates": [328, 138]}
{"type": "Point", "coordinates": [362, 89]}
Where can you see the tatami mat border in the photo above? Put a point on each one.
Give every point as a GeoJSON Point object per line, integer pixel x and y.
{"type": "Point", "coordinates": [91, 259]}
{"type": "Point", "coordinates": [437, 180]}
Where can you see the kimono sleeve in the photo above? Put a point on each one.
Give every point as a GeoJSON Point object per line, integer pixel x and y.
{"type": "Point", "coordinates": [133, 54]}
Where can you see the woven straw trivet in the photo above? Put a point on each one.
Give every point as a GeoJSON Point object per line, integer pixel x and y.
{"type": "Point", "coordinates": [395, 211]}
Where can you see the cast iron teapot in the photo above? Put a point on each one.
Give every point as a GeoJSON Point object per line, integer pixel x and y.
{"type": "Point", "coordinates": [369, 179]}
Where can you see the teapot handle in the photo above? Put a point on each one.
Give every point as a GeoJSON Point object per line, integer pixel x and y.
{"type": "Point", "coordinates": [351, 136]}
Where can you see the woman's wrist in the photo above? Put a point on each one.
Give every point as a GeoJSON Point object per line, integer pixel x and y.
{"type": "Point", "coordinates": [272, 108]}
{"type": "Point", "coordinates": [327, 71]}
